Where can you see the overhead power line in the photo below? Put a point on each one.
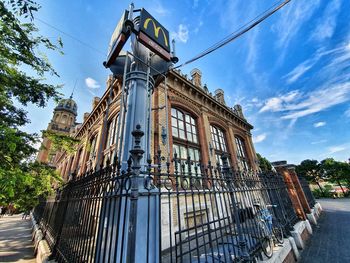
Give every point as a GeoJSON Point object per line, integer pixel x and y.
{"type": "Point", "coordinates": [242, 30]}
{"type": "Point", "coordinates": [236, 34]}
{"type": "Point", "coordinates": [71, 36]}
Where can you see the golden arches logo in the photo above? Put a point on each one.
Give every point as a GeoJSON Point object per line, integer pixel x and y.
{"type": "Point", "coordinates": [156, 29]}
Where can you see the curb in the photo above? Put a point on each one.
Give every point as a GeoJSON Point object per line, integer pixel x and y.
{"type": "Point", "coordinates": [42, 249]}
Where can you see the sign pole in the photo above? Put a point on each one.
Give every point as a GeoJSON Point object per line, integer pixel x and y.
{"type": "Point", "coordinates": [138, 235]}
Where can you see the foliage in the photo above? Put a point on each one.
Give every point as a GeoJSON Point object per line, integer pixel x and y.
{"type": "Point", "coordinates": [326, 170]}
{"type": "Point", "coordinates": [336, 172]}
{"type": "Point", "coordinates": [326, 193]}
{"type": "Point", "coordinates": [264, 164]}
{"type": "Point", "coordinates": [310, 170]}
{"type": "Point", "coordinates": [19, 49]}
{"type": "Point", "coordinates": [61, 142]}
{"type": "Point", "coordinates": [23, 184]}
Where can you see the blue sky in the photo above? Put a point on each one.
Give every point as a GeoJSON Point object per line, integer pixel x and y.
{"type": "Point", "coordinates": [291, 74]}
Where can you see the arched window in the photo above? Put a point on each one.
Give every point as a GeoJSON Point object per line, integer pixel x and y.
{"type": "Point", "coordinates": [111, 139]}
{"type": "Point", "coordinates": [185, 138]}
{"type": "Point", "coordinates": [93, 147]}
{"type": "Point", "coordinates": [218, 142]}
{"type": "Point", "coordinates": [241, 153]}
{"type": "Point", "coordinates": [64, 118]}
{"type": "Point", "coordinates": [79, 160]}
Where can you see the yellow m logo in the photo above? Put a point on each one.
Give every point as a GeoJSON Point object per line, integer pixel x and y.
{"type": "Point", "coordinates": [156, 29]}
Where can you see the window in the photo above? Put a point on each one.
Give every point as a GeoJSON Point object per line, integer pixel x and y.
{"type": "Point", "coordinates": [183, 152]}
{"type": "Point", "coordinates": [79, 160]}
{"type": "Point", "coordinates": [241, 153]}
{"type": "Point", "coordinates": [185, 140]}
{"type": "Point", "coordinates": [112, 127]}
{"type": "Point", "coordinates": [64, 118]}
{"type": "Point", "coordinates": [52, 158]}
{"type": "Point", "coordinates": [93, 145]}
{"type": "Point", "coordinates": [183, 126]}
{"type": "Point", "coordinates": [219, 143]}
{"type": "Point", "coordinates": [111, 140]}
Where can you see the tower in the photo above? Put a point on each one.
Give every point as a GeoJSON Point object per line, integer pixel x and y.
{"type": "Point", "coordinates": [63, 120]}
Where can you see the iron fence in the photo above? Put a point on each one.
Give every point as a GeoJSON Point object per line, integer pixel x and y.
{"type": "Point", "coordinates": [168, 210]}
{"type": "Point", "coordinates": [307, 191]}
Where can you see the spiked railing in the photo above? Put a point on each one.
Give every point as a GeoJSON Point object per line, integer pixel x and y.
{"type": "Point", "coordinates": [206, 212]}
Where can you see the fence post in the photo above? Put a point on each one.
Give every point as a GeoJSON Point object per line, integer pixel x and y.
{"type": "Point", "coordinates": [136, 155]}
{"type": "Point", "coordinates": [243, 252]}
{"type": "Point", "coordinates": [65, 205]}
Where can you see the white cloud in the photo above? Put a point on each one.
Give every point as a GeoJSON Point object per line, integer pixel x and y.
{"type": "Point", "coordinates": [252, 50]}
{"type": "Point", "coordinates": [327, 23]}
{"type": "Point", "coordinates": [347, 113]}
{"type": "Point", "coordinates": [259, 138]}
{"type": "Point", "coordinates": [319, 124]}
{"type": "Point", "coordinates": [199, 25]}
{"type": "Point", "coordinates": [297, 72]}
{"type": "Point", "coordinates": [319, 100]}
{"type": "Point", "coordinates": [91, 83]}
{"type": "Point", "coordinates": [318, 142]}
{"type": "Point", "coordinates": [298, 105]}
{"type": "Point", "coordinates": [279, 103]}
{"type": "Point", "coordinates": [182, 33]}
{"type": "Point", "coordinates": [306, 65]}
{"type": "Point", "coordinates": [335, 149]}
{"type": "Point", "coordinates": [159, 9]}
{"type": "Point", "coordinates": [292, 18]}
{"type": "Point", "coordinates": [334, 89]}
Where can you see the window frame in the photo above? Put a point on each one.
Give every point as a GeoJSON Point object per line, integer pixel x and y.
{"type": "Point", "coordinates": [111, 141]}
{"type": "Point", "coordinates": [242, 156]}
{"type": "Point", "coordinates": [192, 147]}
{"type": "Point", "coordinates": [221, 141]}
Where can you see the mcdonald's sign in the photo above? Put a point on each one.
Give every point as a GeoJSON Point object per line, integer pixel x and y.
{"type": "Point", "coordinates": [118, 40]}
{"type": "Point", "coordinates": [154, 35]}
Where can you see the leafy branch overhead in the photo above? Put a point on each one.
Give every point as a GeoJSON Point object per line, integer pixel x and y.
{"type": "Point", "coordinates": [19, 47]}
{"type": "Point", "coordinates": [22, 50]}
{"type": "Point", "coordinates": [61, 142]}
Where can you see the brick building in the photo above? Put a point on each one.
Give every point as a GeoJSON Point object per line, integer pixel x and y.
{"type": "Point", "coordinates": [200, 125]}
{"type": "Point", "coordinates": [63, 122]}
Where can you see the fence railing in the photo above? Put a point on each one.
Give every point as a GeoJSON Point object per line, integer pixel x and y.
{"type": "Point", "coordinates": [196, 208]}
{"type": "Point", "coordinates": [169, 210]}
{"type": "Point", "coordinates": [307, 191]}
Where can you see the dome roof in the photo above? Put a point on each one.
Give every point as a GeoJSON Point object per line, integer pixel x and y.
{"type": "Point", "coordinates": [67, 105]}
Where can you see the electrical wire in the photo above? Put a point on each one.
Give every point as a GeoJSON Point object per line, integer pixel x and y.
{"type": "Point", "coordinates": [71, 36]}
{"type": "Point", "coordinates": [239, 32]}
{"type": "Point", "coordinates": [231, 37]}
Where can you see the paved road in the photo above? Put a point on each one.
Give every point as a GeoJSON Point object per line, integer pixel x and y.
{"type": "Point", "coordinates": [331, 239]}
{"type": "Point", "coordinates": [16, 240]}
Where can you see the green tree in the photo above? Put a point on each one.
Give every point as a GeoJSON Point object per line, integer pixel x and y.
{"type": "Point", "coordinates": [310, 169]}
{"type": "Point", "coordinates": [19, 49]}
{"type": "Point", "coordinates": [336, 172]}
{"type": "Point", "coordinates": [264, 164]}
{"type": "Point", "coordinates": [61, 142]}
{"type": "Point", "coordinates": [24, 184]}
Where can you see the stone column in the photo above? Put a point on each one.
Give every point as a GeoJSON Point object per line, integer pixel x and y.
{"type": "Point", "coordinates": [252, 153]}
{"type": "Point", "coordinates": [293, 194]}
{"type": "Point", "coordinates": [204, 137]}
{"type": "Point", "coordinates": [299, 189]}
{"type": "Point", "coordinates": [234, 148]}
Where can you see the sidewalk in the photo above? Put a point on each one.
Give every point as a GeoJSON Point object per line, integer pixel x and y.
{"type": "Point", "coordinates": [331, 238]}
{"type": "Point", "coordinates": [16, 240]}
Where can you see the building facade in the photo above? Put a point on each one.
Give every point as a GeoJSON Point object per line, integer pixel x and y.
{"type": "Point", "coordinates": [63, 122]}
{"type": "Point", "coordinates": [195, 124]}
